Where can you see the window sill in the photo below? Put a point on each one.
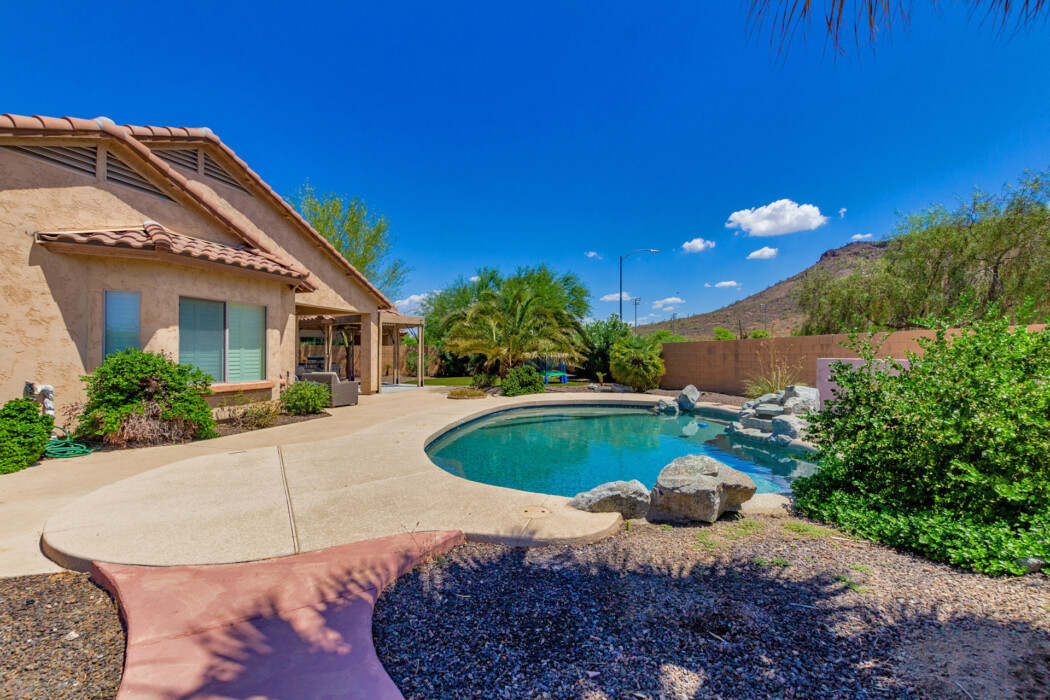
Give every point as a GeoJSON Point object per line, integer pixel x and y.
{"type": "Point", "coordinates": [240, 386]}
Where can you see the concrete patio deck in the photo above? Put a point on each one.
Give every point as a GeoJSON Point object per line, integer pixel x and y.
{"type": "Point", "coordinates": [308, 486]}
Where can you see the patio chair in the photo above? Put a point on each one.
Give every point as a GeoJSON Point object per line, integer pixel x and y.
{"type": "Point", "coordinates": [344, 393]}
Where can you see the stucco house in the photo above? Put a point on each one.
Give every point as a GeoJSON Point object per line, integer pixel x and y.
{"type": "Point", "coordinates": [163, 239]}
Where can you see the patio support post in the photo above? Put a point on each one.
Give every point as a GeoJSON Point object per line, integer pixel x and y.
{"type": "Point", "coordinates": [371, 353]}
{"type": "Point", "coordinates": [421, 367]}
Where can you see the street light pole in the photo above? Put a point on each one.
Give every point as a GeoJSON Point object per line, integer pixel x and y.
{"type": "Point", "coordinates": [622, 258]}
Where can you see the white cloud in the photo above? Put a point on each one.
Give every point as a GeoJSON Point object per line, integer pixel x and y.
{"type": "Point", "coordinates": [860, 236]}
{"type": "Point", "coordinates": [842, 213]}
{"type": "Point", "coordinates": [411, 304]}
{"type": "Point", "coordinates": [696, 245]}
{"type": "Point", "coordinates": [727, 283]}
{"type": "Point", "coordinates": [592, 254]}
{"type": "Point", "coordinates": [475, 278]}
{"type": "Point", "coordinates": [662, 303]}
{"type": "Point", "coordinates": [777, 218]}
{"type": "Point", "coordinates": [765, 253]}
{"type": "Point", "coordinates": [616, 297]}
{"type": "Point", "coordinates": [707, 284]}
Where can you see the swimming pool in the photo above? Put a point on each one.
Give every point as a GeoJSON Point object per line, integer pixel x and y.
{"type": "Point", "coordinates": [564, 451]}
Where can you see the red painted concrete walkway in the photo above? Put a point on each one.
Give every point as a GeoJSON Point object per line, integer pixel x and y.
{"type": "Point", "coordinates": [298, 627]}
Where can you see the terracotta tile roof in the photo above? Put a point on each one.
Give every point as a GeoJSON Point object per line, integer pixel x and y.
{"type": "Point", "coordinates": [151, 236]}
{"type": "Point", "coordinates": [133, 138]}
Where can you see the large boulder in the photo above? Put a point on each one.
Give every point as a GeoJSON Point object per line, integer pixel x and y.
{"type": "Point", "coordinates": [790, 426]}
{"type": "Point", "coordinates": [698, 488]}
{"type": "Point", "coordinates": [765, 398]}
{"type": "Point", "coordinates": [628, 498]}
{"type": "Point", "coordinates": [687, 398]}
{"type": "Point", "coordinates": [800, 400]}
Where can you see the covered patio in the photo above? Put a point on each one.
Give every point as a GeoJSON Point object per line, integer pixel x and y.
{"type": "Point", "coordinates": [348, 327]}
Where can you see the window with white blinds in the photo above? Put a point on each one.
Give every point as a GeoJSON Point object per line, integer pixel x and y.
{"type": "Point", "coordinates": [226, 340]}
{"type": "Point", "coordinates": [247, 339]}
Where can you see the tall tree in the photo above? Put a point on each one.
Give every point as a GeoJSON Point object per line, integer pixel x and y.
{"type": "Point", "coordinates": [360, 235]}
{"type": "Point", "coordinates": [993, 249]}
{"type": "Point", "coordinates": [511, 324]}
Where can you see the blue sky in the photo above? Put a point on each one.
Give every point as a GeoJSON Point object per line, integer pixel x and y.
{"type": "Point", "coordinates": [515, 133]}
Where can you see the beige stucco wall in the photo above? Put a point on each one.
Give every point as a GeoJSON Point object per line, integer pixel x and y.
{"type": "Point", "coordinates": [51, 318]}
{"type": "Point", "coordinates": [334, 288]}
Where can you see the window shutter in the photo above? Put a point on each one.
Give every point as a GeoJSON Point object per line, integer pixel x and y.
{"type": "Point", "coordinates": [247, 362]}
{"type": "Point", "coordinates": [122, 322]}
{"type": "Point", "coordinates": [202, 337]}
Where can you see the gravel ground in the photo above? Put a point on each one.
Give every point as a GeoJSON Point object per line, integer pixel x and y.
{"type": "Point", "coordinates": [60, 637]}
{"type": "Point", "coordinates": [742, 609]}
{"type": "Point", "coordinates": [724, 611]}
{"type": "Point", "coordinates": [704, 395]}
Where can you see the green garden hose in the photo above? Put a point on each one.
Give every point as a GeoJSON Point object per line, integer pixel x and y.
{"type": "Point", "coordinates": [61, 448]}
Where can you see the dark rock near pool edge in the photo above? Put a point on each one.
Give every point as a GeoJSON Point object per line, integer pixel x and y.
{"type": "Point", "coordinates": [665, 406]}
{"type": "Point", "coordinates": [698, 488]}
{"type": "Point", "coordinates": [628, 498]}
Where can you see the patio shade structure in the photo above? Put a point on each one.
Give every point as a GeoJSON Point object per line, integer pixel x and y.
{"type": "Point", "coordinates": [396, 323]}
{"type": "Point", "coordinates": [389, 323]}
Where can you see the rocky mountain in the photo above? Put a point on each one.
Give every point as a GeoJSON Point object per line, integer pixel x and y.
{"type": "Point", "coordinates": [781, 314]}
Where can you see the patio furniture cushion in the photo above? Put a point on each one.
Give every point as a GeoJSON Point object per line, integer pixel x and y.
{"type": "Point", "coordinates": [344, 393]}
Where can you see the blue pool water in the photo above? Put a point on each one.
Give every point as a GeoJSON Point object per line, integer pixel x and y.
{"type": "Point", "coordinates": [564, 451]}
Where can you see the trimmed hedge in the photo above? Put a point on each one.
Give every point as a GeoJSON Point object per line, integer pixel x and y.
{"type": "Point", "coordinates": [302, 398]}
{"type": "Point", "coordinates": [24, 433]}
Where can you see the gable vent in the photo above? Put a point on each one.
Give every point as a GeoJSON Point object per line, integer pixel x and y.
{"type": "Point", "coordinates": [182, 157]}
{"type": "Point", "coordinates": [118, 172]}
{"type": "Point", "coordinates": [217, 172]}
{"type": "Point", "coordinates": [79, 158]}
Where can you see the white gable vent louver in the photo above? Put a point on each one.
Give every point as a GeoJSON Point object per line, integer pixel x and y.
{"type": "Point", "coordinates": [182, 157]}
{"type": "Point", "coordinates": [118, 172]}
{"type": "Point", "coordinates": [79, 158]}
{"type": "Point", "coordinates": [217, 172]}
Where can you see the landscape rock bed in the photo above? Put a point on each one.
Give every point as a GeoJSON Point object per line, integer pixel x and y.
{"type": "Point", "coordinates": [60, 637]}
{"type": "Point", "coordinates": [753, 608]}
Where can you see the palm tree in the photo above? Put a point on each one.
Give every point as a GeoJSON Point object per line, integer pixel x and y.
{"type": "Point", "coordinates": [511, 324]}
{"type": "Point", "coordinates": [786, 17]}
{"type": "Point", "coordinates": [636, 362]}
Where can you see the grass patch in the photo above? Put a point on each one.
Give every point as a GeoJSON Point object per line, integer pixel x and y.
{"type": "Point", "coordinates": [803, 529]}
{"type": "Point", "coordinates": [448, 381]}
{"type": "Point", "coordinates": [704, 541]}
{"type": "Point", "coordinates": [665, 526]}
{"type": "Point", "coordinates": [861, 567]}
{"type": "Point", "coordinates": [851, 584]}
{"type": "Point", "coordinates": [466, 393]}
{"type": "Point", "coordinates": [775, 561]}
{"type": "Point", "coordinates": [740, 529]}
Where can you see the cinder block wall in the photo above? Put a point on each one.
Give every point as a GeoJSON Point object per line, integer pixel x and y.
{"type": "Point", "coordinates": [724, 365]}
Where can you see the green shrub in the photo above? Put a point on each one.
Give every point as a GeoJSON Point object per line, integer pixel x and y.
{"type": "Point", "coordinates": [302, 398]}
{"type": "Point", "coordinates": [145, 398]}
{"type": "Point", "coordinates": [760, 334]}
{"type": "Point", "coordinates": [636, 362]}
{"type": "Point", "coordinates": [950, 456]}
{"type": "Point", "coordinates": [24, 433]}
{"type": "Point", "coordinates": [484, 380]}
{"type": "Point", "coordinates": [522, 380]}
{"type": "Point", "coordinates": [723, 334]}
